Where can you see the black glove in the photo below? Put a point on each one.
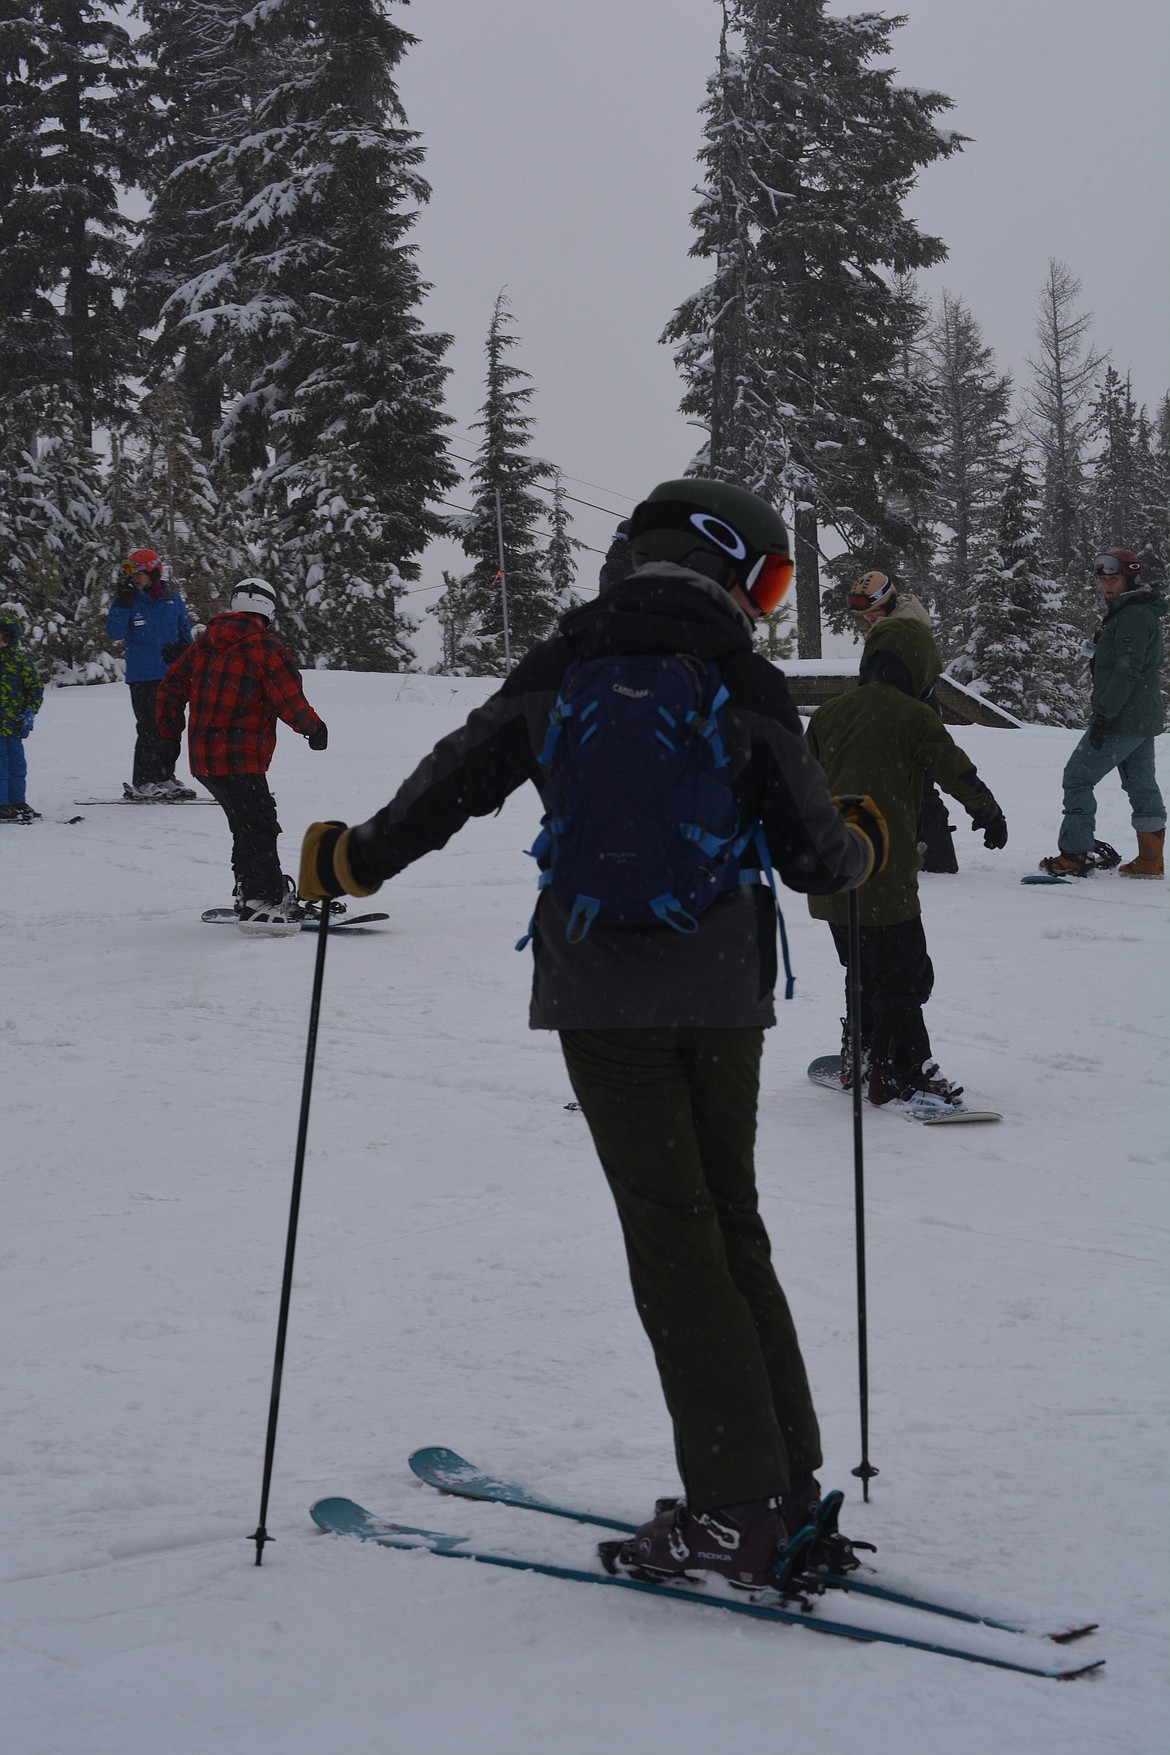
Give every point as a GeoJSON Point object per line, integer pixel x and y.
{"type": "Point", "coordinates": [862, 814]}
{"type": "Point", "coordinates": [319, 739]}
{"type": "Point", "coordinates": [124, 595]}
{"type": "Point", "coordinates": [994, 832]}
{"type": "Point", "coordinates": [175, 649]}
{"type": "Point", "coordinates": [1098, 730]}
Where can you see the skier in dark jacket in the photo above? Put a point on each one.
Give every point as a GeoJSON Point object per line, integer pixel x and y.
{"type": "Point", "coordinates": [239, 680]}
{"type": "Point", "coordinates": [1127, 715]}
{"type": "Point", "coordinates": [662, 1031]}
{"type": "Point", "coordinates": [21, 693]}
{"type": "Point", "coordinates": [884, 740]}
{"type": "Point", "coordinates": [152, 620]}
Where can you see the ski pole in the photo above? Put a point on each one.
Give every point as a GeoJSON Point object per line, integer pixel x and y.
{"type": "Point", "coordinates": [865, 1468]}
{"type": "Point", "coordinates": [261, 1534]}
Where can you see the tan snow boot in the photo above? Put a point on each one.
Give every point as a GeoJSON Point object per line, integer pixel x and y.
{"type": "Point", "coordinates": [1149, 859]}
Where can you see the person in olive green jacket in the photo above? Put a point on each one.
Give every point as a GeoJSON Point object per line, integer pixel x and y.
{"type": "Point", "coordinates": [882, 740]}
{"type": "Point", "coordinates": [1127, 715]}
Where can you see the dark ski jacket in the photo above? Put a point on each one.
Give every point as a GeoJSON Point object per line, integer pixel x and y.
{"type": "Point", "coordinates": [882, 740]}
{"type": "Point", "coordinates": [721, 976]}
{"type": "Point", "coordinates": [1127, 664]}
{"type": "Point", "coordinates": [239, 680]}
{"type": "Point", "coordinates": [21, 689]}
{"type": "Point", "coordinates": [149, 624]}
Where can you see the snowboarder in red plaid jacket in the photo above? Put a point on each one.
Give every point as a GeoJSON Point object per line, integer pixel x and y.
{"type": "Point", "coordinates": [238, 679]}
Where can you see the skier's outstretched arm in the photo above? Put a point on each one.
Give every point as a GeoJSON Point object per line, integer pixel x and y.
{"type": "Point", "coordinates": [469, 773]}
{"type": "Point", "coordinates": [952, 769]}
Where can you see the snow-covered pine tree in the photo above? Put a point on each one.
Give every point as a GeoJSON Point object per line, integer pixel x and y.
{"type": "Point", "coordinates": [175, 507]}
{"type": "Point", "coordinates": [338, 577]}
{"type": "Point", "coordinates": [560, 565]}
{"type": "Point", "coordinates": [503, 465]}
{"type": "Point", "coordinates": [1056, 416]}
{"type": "Point", "coordinates": [1018, 649]}
{"type": "Point", "coordinates": [972, 400]}
{"type": "Point", "coordinates": [72, 126]}
{"type": "Point", "coordinates": [454, 619]}
{"type": "Point", "coordinates": [1116, 490]}
{"type": "Point", "coordinates": [55, 531]}
{"type": "Point", "coordinates": [791, 352]}
{"type": "Point", "coordinates": [310, 290]}
{"type": "Point", "coordinates": [204, 89]}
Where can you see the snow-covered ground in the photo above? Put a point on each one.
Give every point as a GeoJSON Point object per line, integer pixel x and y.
{"type": "Point", "coordinates": [460, 1281]}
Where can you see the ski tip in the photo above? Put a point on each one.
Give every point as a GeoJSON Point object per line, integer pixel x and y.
{"type": "Point", "coordinates": [1082, 1670]}
{"type": "Point", "coordinates": [438, 1466]}
{"type": "Point", "coordinates": [1071, 1633]}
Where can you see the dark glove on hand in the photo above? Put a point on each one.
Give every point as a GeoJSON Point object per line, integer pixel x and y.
{"type": "Point", "coordinates": [124, 596]}
{"type": "Point", "coordinates": [861, 813]}
{"type": "Point", "coordinates": [994, 832]}
{"type": "Point", "coordinates": [319, 739]}
{"type": "Point", "coordinates": [1097, 731]}
{"type": "Point", "coordinates": [325, 869]}
{"type": "Point", "coordinates": [174, 649]}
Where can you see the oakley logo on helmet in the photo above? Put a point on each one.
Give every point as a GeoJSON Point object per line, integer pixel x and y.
{"type": "Point", "coordinates": [721, 534]}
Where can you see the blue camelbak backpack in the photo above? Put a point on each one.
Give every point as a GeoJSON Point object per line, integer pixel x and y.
{"type": "Point", "coordinates": [640, 823]}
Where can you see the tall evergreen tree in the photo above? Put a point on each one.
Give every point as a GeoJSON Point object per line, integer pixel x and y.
{"type": "Point", "coordinates": [174, 504]}
{"type": "Point", "coordinates": [791, 352]}
{"type": "Point", "coordinates": [972, 399]}
{"type": "Point", "coordinates": [204, 89]}
{"type": "Point", "coordinates": [55, 534]}
{"type": "Point", "coordinates": [70, 134]}
{"type": "Point", "coordinates": [1056, 415]}
{"type": "Point", "coordinates": [504, 467]}
{"type": "Point", "coordinates": [1117, 473]}
{"type": "Point", "coordinates": [1018, 649]}
{"type": "Point", "coordinates": [559, 556]}
{"type": "Point", "coordinates": [307, 289]}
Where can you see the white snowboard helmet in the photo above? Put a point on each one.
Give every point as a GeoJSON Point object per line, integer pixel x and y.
{"type": "Point", "coordinates": [254, 597]}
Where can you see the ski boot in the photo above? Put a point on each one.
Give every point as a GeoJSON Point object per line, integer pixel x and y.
{"type": "Point", "coordinates": [742, 1543]}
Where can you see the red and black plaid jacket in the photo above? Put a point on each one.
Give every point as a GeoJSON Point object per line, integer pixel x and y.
{"type": "Point", "coordinates": [238, 679]}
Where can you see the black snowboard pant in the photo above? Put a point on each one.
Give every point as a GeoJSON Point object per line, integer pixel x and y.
{"type": "Point", "coordinates": [251, 814]}
{"type": "Point", "coordinates": [897, 979]}
{"type": "Point", "coordinates": [154, 755]}
{"type": "Point", "coordinates": [673, 1118]}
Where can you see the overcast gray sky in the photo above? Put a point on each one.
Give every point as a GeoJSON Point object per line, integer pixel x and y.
{"type": "Point", "coordinates": [561, 141]}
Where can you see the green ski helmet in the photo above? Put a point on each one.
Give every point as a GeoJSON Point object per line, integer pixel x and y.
{"type": "Point", "coordinates": [725, 532]}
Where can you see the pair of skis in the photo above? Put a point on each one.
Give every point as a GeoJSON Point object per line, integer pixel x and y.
{"type": "Point", "coordinates": [451, 1473]}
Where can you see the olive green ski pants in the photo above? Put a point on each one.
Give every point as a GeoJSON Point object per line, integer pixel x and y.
{"type": "Point", "coordinates": [673, 1118]}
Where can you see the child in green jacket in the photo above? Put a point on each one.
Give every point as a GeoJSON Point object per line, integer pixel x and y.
{"type": "Point", "coordinates": [21, 693]}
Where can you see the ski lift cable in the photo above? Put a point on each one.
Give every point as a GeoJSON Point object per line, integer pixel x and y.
{"type": "Point", "coordinates": [545, 533]}
{"type": "Point", "coordinates": [541, 489]}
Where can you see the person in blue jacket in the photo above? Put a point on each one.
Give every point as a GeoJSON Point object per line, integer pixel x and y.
{"type": "Point", "coordinates": [152, 619]}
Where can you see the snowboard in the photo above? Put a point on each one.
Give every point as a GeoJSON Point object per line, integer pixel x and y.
{"type": "Point", "coordinates": [925, 1111]}
{"type": "Point", "coordinates": [144, 801]}
{"type": "Point", "coordinates": [337, 923]}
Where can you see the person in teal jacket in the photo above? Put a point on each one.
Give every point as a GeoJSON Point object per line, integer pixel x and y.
{"type": "Point", "coordinates": [21, 693]}
{"type": "Point", "coordinates": [151, 618]}
{"type": "Point", "coordinates": [1127, 715]}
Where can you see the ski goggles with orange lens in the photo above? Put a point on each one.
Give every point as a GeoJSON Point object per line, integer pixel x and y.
{"type": "Point", "coordinates": [768, 575]}
{"type": "Point", "coordinates": [768, 581]}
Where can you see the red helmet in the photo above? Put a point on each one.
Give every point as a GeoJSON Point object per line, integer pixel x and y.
{"type": "Point", "coordinates": [142, 560]}
{"type": "Point", "coordinates": [1112, 561]}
